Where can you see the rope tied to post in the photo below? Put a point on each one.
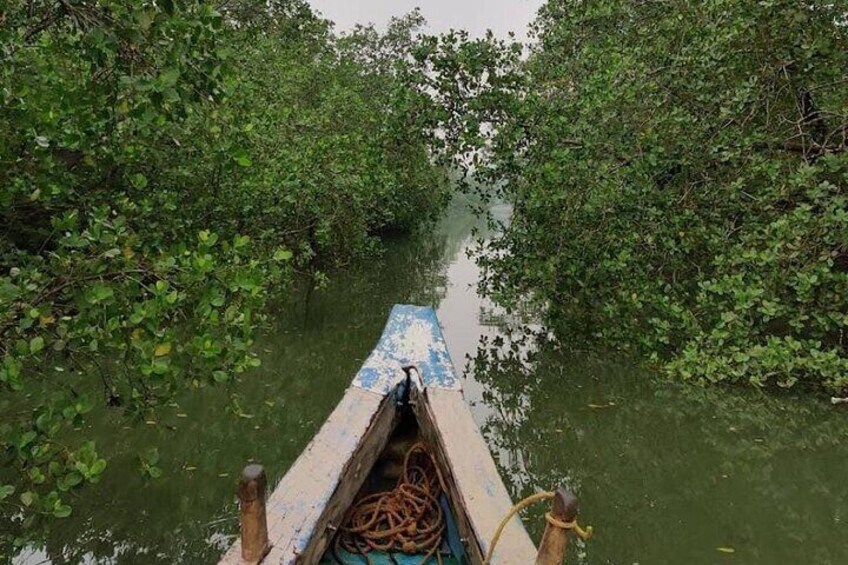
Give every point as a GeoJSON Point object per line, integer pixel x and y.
{"type": "Point", "coordinates": [572, 525]}
{"type": "Point", "coordinates": [549, 518]}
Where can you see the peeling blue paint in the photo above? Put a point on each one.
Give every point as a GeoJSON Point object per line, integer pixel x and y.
{"type": "Point", "coordinates": [412, 337]}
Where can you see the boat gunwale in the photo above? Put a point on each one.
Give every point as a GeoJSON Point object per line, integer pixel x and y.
{"type": "Point", "coordinates": [301, 507]}
{"type": "Point", "coordinates": [368, 413]}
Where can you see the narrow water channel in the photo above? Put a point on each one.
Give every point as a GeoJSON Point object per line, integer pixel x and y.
{"type": "Point", "coordinates": [665, 473]}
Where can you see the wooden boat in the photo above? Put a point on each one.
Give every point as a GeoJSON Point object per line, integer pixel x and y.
{"type": "Point", "coordinates": [406, 392]}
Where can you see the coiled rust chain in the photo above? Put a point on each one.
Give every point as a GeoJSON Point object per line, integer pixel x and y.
{"type": "Point", "coordinates": [407, 519]}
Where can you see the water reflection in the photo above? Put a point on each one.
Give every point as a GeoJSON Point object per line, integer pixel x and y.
{"type": "Point", "coordinates": [309, 357]}
{"type": "Point", "coordinates": [666, 474]}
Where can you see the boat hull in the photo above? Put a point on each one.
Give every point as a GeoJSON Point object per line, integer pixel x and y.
{"type": "Point", "coordinates": [310, 502]}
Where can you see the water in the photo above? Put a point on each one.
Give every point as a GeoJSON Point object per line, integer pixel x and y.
{"type": "Point", "coordinates": [665, 474]}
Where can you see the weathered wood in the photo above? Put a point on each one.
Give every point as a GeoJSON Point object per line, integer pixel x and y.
{"type": "Point", "coordinates": [555, 539]}
{"type": "Point", "coordinates": [252, 490]}
{"type": "Point", "coordinates": [322, 483]}
{"type": "Point", "coordinates": [350, 481]}
{"type": "Point", "coordinates": [476, 491]}
{"type": "Point", "coordinates": [412, 337]}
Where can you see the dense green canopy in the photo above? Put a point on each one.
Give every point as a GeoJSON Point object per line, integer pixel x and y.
{"type": "Point", "coordinates": [166, 167]}
{"type": "Point", "coordinates": [678, 172]}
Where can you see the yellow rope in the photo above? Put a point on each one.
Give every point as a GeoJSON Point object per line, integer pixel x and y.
{"type": "Point", "coordinates": [521, 505]}
{"type": "Point", "coordinates": [573, 525]}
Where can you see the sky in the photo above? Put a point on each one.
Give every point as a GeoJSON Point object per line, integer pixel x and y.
{"type": "Point", "coordinates": [476, 16]}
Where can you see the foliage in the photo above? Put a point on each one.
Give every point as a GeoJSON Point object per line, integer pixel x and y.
{"type": "Point", "coordinates": [342, 156]}
{"type": "Point", "coordinates": [678, 173]}
{"type": "Point", "coordinates": [165, 168]}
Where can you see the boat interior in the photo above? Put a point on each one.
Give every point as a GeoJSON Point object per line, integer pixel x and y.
{"type": "Point", "coordinates": [402, 514]}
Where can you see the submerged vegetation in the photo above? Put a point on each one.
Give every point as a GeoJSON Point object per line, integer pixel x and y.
{"type": "Point", "coordinates": [678, 173]}
{"type": "Point", "coordinates": [166, 167]}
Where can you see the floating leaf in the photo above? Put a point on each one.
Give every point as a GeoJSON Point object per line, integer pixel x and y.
{"type": "Point", "coordinates": [162, 349]}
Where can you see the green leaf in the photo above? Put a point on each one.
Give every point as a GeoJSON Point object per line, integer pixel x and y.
{"type": "Point", "coordinates": [242, 158]}
{"type": "Point", "coordinates": [84, 404]}
{"type": "Point", "coordinates": [61, 510]}
{"type": "Point", "coordinates": [151, 456]}
{"type": "Point", "coordinates": [282, 255]}
{"type": "Point", "coordinates": [97, 467]}
{"type": "Point", "coordinates": [73, 479]}
{"type": "Point", "coordinates": [36, 344]}
{"type": "Point", "coordinates": [170, 77]}
{"type": "Point", "coordinates": [100, 293]}
{"type": "Point", "coordinates": [27, 498]}
{"type": "Point", "coordinates": [139, 180]}
{"type": "Point", "coordinates": [26, 439]}
{"type": "Point", "coordinates": [6, 491]}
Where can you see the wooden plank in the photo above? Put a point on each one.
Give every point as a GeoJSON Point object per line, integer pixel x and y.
{"type": "Point", "coordinates": [324, 480]}
{"type": "Point", "coordinates": [477, 490]}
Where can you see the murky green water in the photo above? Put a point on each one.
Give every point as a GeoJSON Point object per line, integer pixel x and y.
{"type": "Point", "coordinates": [666, 474]}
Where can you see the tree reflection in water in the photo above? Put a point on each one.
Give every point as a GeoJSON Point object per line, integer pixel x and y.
{"type": "Point", "coordinates": [667, 473]}
{"type": "Point", "coordinates": [189, 515]}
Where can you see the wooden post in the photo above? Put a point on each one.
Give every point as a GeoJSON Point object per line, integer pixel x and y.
{"type": "Point", "coordinates": [254, 525]}
{"type": "Point", "coordinates": [554, 540]}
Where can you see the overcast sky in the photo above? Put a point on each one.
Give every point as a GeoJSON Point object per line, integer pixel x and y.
{"type": "Point", "coordinates": [476, 16]}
